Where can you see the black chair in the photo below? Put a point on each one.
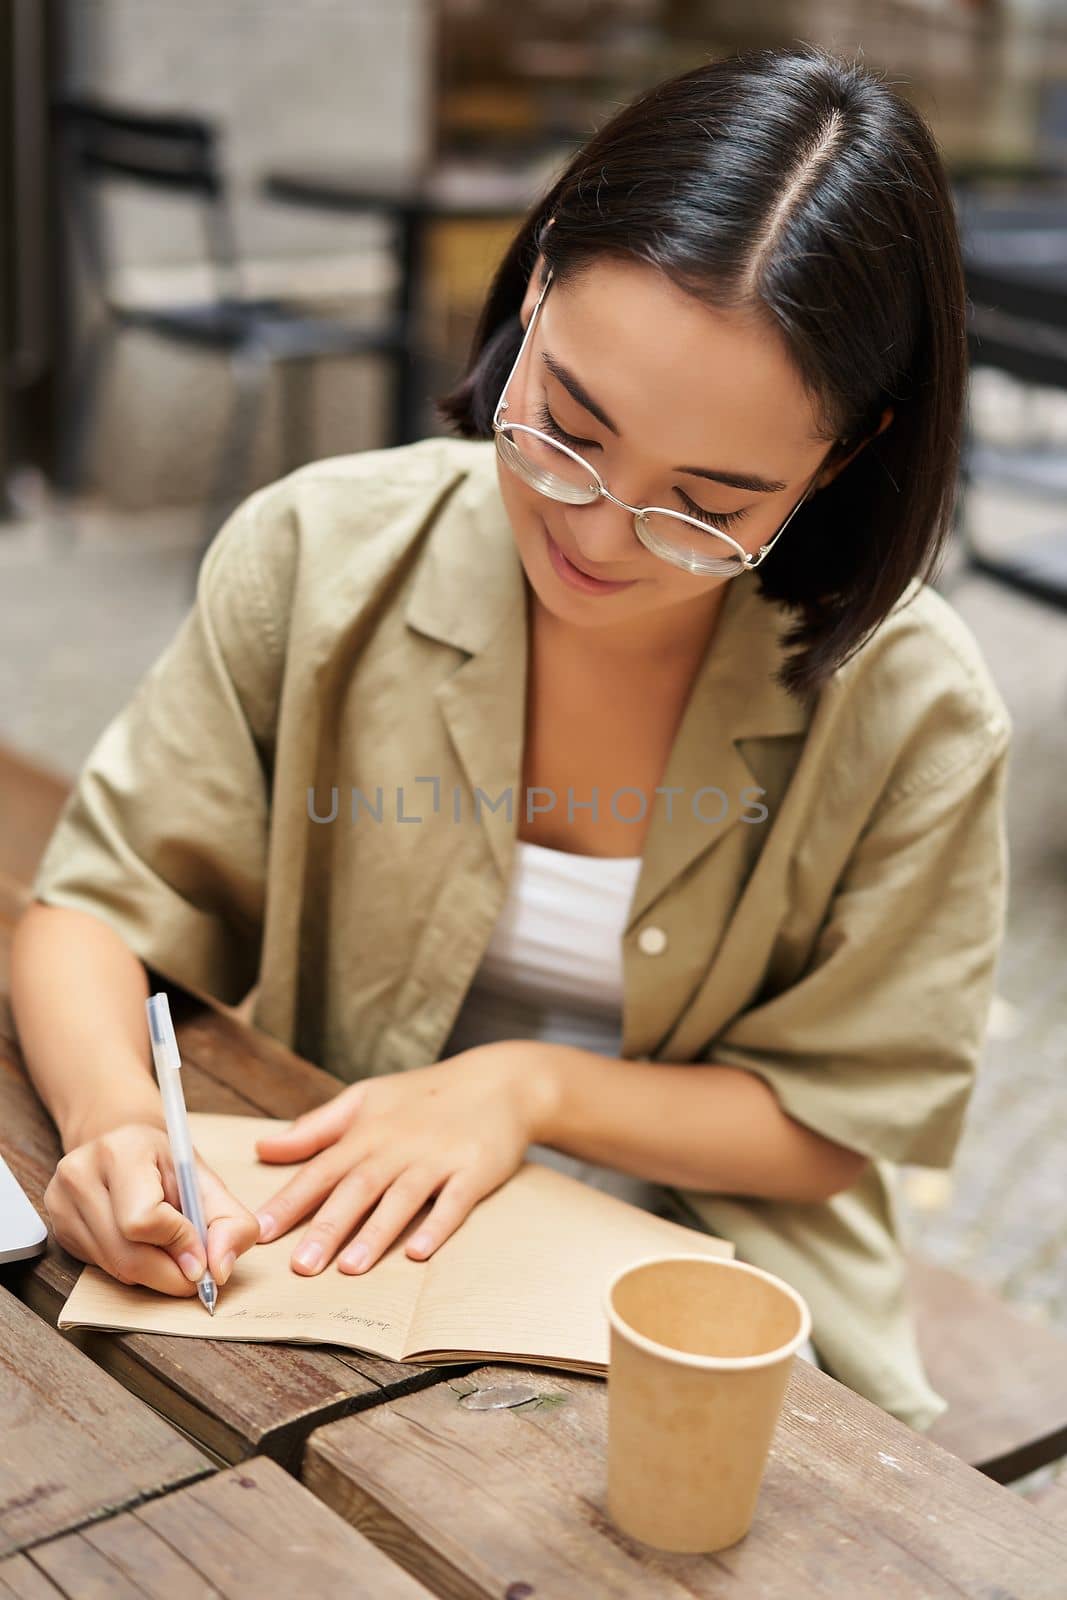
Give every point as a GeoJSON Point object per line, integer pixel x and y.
{"type": "Point", "coordinates": [1017, 326]}
{"type": "Point", "coordinates": [1013, 228]}
{"type": "Point", "coordinates": [179, 155]}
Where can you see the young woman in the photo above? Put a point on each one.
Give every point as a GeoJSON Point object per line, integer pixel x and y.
{"type": "Point", "coordinates": [608, 783]}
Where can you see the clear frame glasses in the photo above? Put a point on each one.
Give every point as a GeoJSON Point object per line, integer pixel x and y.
{"type": "Point", "coordinates": [555, 470]}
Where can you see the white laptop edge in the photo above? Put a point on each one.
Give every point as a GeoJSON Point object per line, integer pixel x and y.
{"type": "Point", "coordinates": [22, 1233]}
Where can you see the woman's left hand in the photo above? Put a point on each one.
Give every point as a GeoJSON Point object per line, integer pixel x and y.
{"type": "Point", "coordinates": [460, 1126]}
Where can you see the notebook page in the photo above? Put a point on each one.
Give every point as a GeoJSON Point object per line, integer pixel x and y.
{"type": "Point", "coordinates": [264, 1298]}
{"type": "Point", "coordinates": [523, 1277]}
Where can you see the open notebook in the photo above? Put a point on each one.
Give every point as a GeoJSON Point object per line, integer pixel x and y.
{"type": "Point", "coordinates": [521, 1279]}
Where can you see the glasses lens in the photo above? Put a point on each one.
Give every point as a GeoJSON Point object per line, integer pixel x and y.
{"type": "Point", "coordinates": [699, 549]}
{"type": "Point", "coordinates": [552, 471]}
{"type": "Point", "coordinates": [545, 467]}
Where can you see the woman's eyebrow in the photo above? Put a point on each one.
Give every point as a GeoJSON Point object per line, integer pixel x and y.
{"type": "Point", "coordinates": [751, 481]}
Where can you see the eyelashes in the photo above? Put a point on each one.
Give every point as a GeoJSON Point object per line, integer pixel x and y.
{"type": "Point", "coordinates": [550, 426]}
{"type": "Point", "coordinates": [714, 519]}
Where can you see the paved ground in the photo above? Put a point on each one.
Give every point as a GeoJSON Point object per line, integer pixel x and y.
{"type": "Point", "coordinates": [83, 618]}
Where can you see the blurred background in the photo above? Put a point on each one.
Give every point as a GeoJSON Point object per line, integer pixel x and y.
{"type": "Point", "coordinates": [238, 236]}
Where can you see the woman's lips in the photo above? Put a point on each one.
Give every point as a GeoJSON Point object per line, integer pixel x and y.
{"type": "Point", "coordinates": [576, 578]}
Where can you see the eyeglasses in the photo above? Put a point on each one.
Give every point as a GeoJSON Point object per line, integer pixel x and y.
{"type": "Point", "coordinates": [553, 469]}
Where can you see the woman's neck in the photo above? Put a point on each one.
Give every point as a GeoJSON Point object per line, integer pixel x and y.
{"type": "Point", "coordinates": [674, 638]}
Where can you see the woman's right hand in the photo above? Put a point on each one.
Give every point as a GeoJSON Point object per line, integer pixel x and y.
{"type": "Point", "coordinates": [114, 1201]}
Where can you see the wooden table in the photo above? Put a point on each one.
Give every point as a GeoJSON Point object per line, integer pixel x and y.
{"type": "Point", "coordinates": [250, 1530]}
{"type": "Point", "coordinates": [853, 1504]}
{"type": "Point", "coordinates": [475, 1503]}
{"type": "Point", "coordinates": [73, 1443]}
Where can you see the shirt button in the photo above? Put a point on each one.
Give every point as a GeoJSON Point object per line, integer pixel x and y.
{"type": "Point", "coordinates": [653, 941]}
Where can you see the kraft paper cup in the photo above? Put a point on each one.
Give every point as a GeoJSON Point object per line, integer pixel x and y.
{"type": "Point", "coordinates": [701, 1351]}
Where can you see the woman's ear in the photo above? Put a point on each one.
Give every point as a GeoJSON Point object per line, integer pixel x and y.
{"type": "Point", "coordinates": [830, 473]}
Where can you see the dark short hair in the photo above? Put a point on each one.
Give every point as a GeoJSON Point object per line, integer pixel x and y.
{"type": "Point", "coordinates": [801, 185]}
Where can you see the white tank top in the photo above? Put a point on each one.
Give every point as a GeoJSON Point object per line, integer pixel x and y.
{"type": "Point", "coordinates": [553, 970]}
{"type": "Point", "coordinates": [553, 966]}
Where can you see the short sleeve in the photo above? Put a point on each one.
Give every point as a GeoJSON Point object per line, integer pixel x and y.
{"type": "Point", "coordinates": [877, 1043]}
{"type": "Point", "coordinates": [164, 834]}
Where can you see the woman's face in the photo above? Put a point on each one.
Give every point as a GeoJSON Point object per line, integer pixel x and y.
{"type": "Point", "coordinates": [643, 380]}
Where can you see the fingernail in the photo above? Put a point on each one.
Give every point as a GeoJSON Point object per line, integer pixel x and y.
{"type": "Point", "coordinates": [193, 1269]}
{"type": "Point", "coordinates": [266, 1224]}
{"type": "Point", "coordinates": [226, 1265]}
{"type": "Point", "coordinates": [357, 1256]}
{"type": "Point", "coordinates": [421, 1241]}
{"type": "Point", "coordinates": [308, 1255]}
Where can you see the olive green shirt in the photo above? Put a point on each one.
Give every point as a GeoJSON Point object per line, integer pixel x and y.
{"type": "Point", "coordinates": [361, 627]}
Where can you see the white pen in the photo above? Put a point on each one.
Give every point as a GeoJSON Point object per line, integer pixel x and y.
{"type": "Point", "coordinates": [168, 1072]}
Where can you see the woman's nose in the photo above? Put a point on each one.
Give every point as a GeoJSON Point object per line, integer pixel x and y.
{"type": "Point", "coordinates": [603, 532]}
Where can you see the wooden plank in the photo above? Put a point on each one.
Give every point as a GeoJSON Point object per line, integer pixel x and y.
{"type": "Point", "coordinates": [248, 1530]}
{"type": "Point", "coordinates": [1005, 1377]}
{"type": "Point", "coordinates": [1051, 1501]}
{"type": "Point", "coordinates": [236, 1398]}
{"type": "Point", "coordinates": [75, 1445]}
{"type": "Point", "coordinates": [21, 1580]}
{"type": "Point", "coordinates": [853, 1502]}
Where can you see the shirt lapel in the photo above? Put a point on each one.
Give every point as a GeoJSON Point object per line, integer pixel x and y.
{"type": "Point", "coordinates": [695, 869]}
{"type": "Point", "coordinates": [734, 706]}
{"type": "Point", "coordinates": [469, 594]}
